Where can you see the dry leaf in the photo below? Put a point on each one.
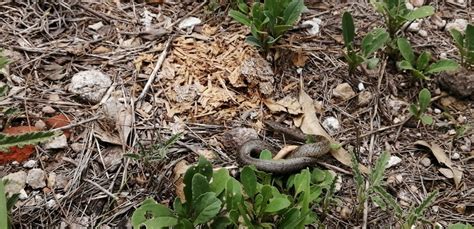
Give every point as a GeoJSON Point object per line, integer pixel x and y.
{"type": "Point", "coordinates": [178, 171]}
{"type": "Point", "coordinates": [299, 60]}
{"type": "Point", "coordinates": [274, 106]}
{"type": "Point", "coordinates": [311, 125]}
{"type": "Point", "coordinates": [287, 104]}
{"type": "Point", "coordinates": [442, 158]}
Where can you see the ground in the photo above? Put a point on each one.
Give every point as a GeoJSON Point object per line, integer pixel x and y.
{"type": "Point", "coordinates": [200, 90]}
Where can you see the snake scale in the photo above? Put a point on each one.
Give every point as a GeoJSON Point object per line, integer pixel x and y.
{"type": "Point", "coordinates": [304, 156]}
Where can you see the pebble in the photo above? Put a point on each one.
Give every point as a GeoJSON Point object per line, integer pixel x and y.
{"type": "Point", "coordinates": [394, 160]}
{"type": "Point", "coordinates": [331, 124]}
{"type": "Point", "coordinates": [40, 125]}
{"type": "Point", "coordinates": [345, 213]}
{"type": "Point", "coordinates": [343, 91]}
{"type": "Point", "coordinates": [426, 162]}
{"type": "Point", "coordinates": [461, 119]}
{"type": "Point", "coordinates": [437, 111]}
{"type": "Point", "coordinates": [417, 3]}
{"type": "Point", "coordinates": [59, 142]}
{"type": "Point", "coordinates": [409, 6]}
{"type": "Point", "coordinates": [435, 208]}
{"type": "Point", "coordinates": [50, 204]}
{"type": "Point", "coordinates": [189, 22]}
{"type": "Point", "coordinates": [51, 180]}
{"type": "Point", "coordinates": [455, 156]}
{"type": "Point", "coordinates": [451, 132]}
{"type": "Point", "coordinates": [48, 110]}
{"type": "Point", "coordinates": [30, 164]}
{"type": "Point", "coordinates": [16, 183]}
{"type": "Point", "coordinates": [364, 98]}
{"type": "Point", "coordinates": [77, 147]}
{"type": "Point", "coordinates": [459, 24]}
{"type": "Point", "coordinates": [315, 25]}
{"type": "Point", "coordinates": [36, 178]}
{"type": "Point", "coordinates": [96, 26]}
{"type": "Point", "coordinates": [360, 86]}
{"type": "Point", "coordinates": [23, 195]}
{"type": "Point", "coordinates": [90, 85]}
{"type": "Point", "coordinates": [414, 27]}
{"type": "Point", "coordinates": [423, 33]}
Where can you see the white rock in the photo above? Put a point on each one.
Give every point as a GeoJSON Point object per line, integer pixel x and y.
{"type": "Point", "coordinates": [396, 120]}
{"type": "Point", "coordinates": [455, 156]}
{"type": "Point", "coordinates": [90, 85]}
{"type": "Point", "coordinates": [394, 160]}
{"type": "Point", "coordinates": [426, 162]}
{"type": "Point", "coordinates": [423, 33]}
{"type": "Point", "coordinates": [443, 55]}
{"type": "Point", "coordinates": [16, 182]}
{"type": "Point", "coordinates": [361, 86]}
{"type": "Point", "coordinates": [451, 132]}
{"type": "Point", "coordinates": [189, 22]}
{"type": "Point", "coordinates": [40, 124]}
{"type": "Point", "coordinates": [417, 3]}
{"type": "Point", "coordinates": [315, 25]}
{"type": "Point", "coordinates": [77, 147]}
{"type": "Point", "coordinates": [331, 124]}
{"type": "Point", "coordinates": [48, 110]}
{"type": "Point", "coordinates": [459, 24]}
{"type": "Point", "coordinates": [36, 178]}
{"type": "Point", "coordinates": [435, 209]}
{"type": "Point", "coordinates": [414, 27]}
{"type": "Point", "coordinates": [59, 142]}
{"type": "Point", "coordinates": [23, 195]}
{"type": "Point", "coordinates": [437, 111]}
{"type": "Point", "coordinates": [51, 204]}
{"type": "Point", "coordinates": [343, 91]}
{"type": "Point", "coordinates": [96, 26]}
{"type": "Point", "coordinates": [409, 6]}
{"type": "Point", "coordinates": [461, 119]}
{"type": "Point", "coordinates": [30, 164]}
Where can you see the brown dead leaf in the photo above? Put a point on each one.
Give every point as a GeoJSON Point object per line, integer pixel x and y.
{"type": "Point", "coordinates": [178, 171]}
{"type": "Point", "coordinates": [311, 125]}
{"type": "Point", "coordinates": [284, 151]}
{"type": "Point", "coordinates": [287, 104]}
{"type": "Point", "coordinates": [274, 106]}
{"type": "Point", "coordinates": [442, 158]}
{"type": "Point", "coordinates": [299, 59]}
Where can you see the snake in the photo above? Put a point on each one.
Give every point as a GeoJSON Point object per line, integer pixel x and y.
{"type": "Point", "coordinates": [304, 156]}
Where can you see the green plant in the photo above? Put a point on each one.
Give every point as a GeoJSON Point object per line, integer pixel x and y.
{"type": "Point", "coordinates": [396, 14]}
{"type": "Point", "coordinates": [372, 42]}
{"type": "Point", "coordinates": [375, 180]}
{"type": "Point", "coordinates": [6, 204]}
{"type": "Point", "coordinates": [156, 151]}
{"type": "Point", "coordinates": [420, 67]}
{"type": "Point", "coordinates": [460, 226]}
{"type": "Point", "coordinates": [465, 44]}
{"type": "Point", "coordinates": [414, 214]}
{"type": "Point", "coordinates": [217, 200]}
{"type": "Point", "coordinates": [268, 21]}
{"type": "Point", "coordinates": [418, 110]}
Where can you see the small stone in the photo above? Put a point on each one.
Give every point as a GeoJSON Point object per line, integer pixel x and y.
{"type": "Point", "coordinates": [237, 136]}
{"type": "Point", "coordinates": [437, 91]}
{"type": "Point", "coordinates": [414, 27]}
{"type": "Point", "coordinates": [452, 132]}
{"type": "Point", "coordinates": [461, 208]}
{"type": "Point", "coordinates": [343, 91]}
{"type": "Point", "coordinates": [426, 162]}
{"type": "Point", "coordinates": [364, 98]}
{"type": "Point", "coordinates": [458, 24]}
{"type": "Point", "coordinates": [59, 142]}
{"type": "Point", "coordinates": [51, 204]}
{"type": "Point", "coordinates": [435, 209]}
{"type": "Point", "coordinates": [90, 85]}
{"type": "Point", "coordinates": [16, 182]}
{"type": "Point", "coordinates": [48, 110]}
{"type": "Point", "coordinates": [423, 33]}
{"type": "Point", "coordinates": [461, 119]}
{"type": "Point", "coordinates": [409, 6]}
{"type": "Point", "coordinates": [396, 120]}
{"type": "Point", "coordinates": [40, 124]}
{"type": "Point", "coordinates": [61, 182]}
{"type": "Point", "coordinates": [455, 156]}
{"type": "Point", "coordinates": [189, 22]}
{"type": "Point", "coordinates": [331, 124]}
{"type": "Point", "coordinates": [315, 26]}
{"type": "Point", "coordinates": [399, 178]}
{"type": "Point", "coordinates": [394, 160]}
{"type": "Point", "coordinates": [36, 178]}
{"type": "Point", "coordinates": [23, 195]}
{"type": "Point", "coordinates": [112, 157]}
{"type": "Point", "coordinates": [51, 180]}
{"type": "Point", "coordinates": [30, 164]}
{"type": "Point", "coordinates": [437, 111]}
{"type": "Point", "coordinates": [443, 56]}
{"type": "Point", "coordinates": [417, 3]}
{"type": "Point", "coordinates": [360, 86]}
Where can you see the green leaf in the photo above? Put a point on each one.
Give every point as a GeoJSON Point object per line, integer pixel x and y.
{"type": "Point", "coordinates": [219, 180]}
{"type": "Point", "coordinates": [379, 202]}
{"type": "Point", "coordinates": [293, 11]}
{"type": "Point", "coordinates": [376, 174]}
{"type": "Point", "coordinates": [21, 140]}
{"type": "Point", "coordinates": [233, 194]}
{"type": "Point", "coordinates": [266, 193]}
{"type": "Point", "coordinates": [414, 110]}
{"type": "Point", "coordinates": [180, 208]}
{"type": "Point", "coordinates": [204, 168]}
{"type": "Point", "coordinates": [418, 212]}
{"type": "Point", "coordinates": [249, 181]}
{"type": "Point", "coordinates": [200, 185]}
{"type": "Point", "coordinates": [3, 61]}
{"type": "Point", "coordinates": [277, 204]}
{"type": "Point", "coordinates": [149, 209]}
{"type": "Point", "coordinates": [266, 155]}
{"type": "Point", "coordinates": [470, 43]}
{"type": "Point", "coordinates": [372, 63]}
{"type": "Point", "coordinates": [240, 17]}
{"type": "Point", "coordinates": [405, 65]}
{"type": "Point", "coordinates": [348, 29]}
{"type": "Point", "coordinates": [442, 65]}
{"type": "Point", "coordinates": [184, 223]}
{"type": "Point", "coordinates": [421, 12]}
{"type": "Point", "coordinates": [160, 222]}
{"type": "Point", "coordinates": [373, 41]}
{"type": "Point", "coordinates": [243, 7]}
{"type": "Point", "coordinates": [290, 218]}
{"type": "Point", "coordinates": [318, 176]}
{"type": "Point", "coordinates": [389, 200]}
{"type": "Point", "coordinates": [206, 207]}
{"type": "Point", "coordinates": [426, 119]}
{"type": "Point", "coordinates": [460, 226]}
{"type": "Point", "coordinates": [3, 206]}
{"type": "Point", "coordinates": [424, 99]}
{"type": "Point", "coordinates": [220, 222]}
{"type": "Point", "coordinates": [302, 181]}
{"type": "Point", "coordinates": [458, 38]}
{"type": "Point", "coordinates": [3, 90]}
{"type": "Point", "coordinates": [406, 50]}
{"type": "Point", "coordinates": [254, 41]}
{"type": "Point", "coordinates": [423, 61]}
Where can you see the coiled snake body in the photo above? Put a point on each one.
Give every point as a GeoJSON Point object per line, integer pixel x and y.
{"type": "Point", "coordinates": [304, 156]}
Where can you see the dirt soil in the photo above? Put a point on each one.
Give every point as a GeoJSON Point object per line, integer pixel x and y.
{"type": "Point", "coordinates": [202, 89]}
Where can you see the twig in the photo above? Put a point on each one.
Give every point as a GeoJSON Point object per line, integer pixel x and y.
{"type": "Point", "coordinates": [101, 189]}
{"type": "Point", "coordinates": [151, 79]}
{"type": "Point", "coordinates": [76, 124]}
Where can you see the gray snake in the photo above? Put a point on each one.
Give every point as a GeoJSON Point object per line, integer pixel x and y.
{"type": "Point", "coordinates": [304, 156]}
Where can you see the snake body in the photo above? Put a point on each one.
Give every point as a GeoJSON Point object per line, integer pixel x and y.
{"type": "Point", "coordinates": [304, 156]}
